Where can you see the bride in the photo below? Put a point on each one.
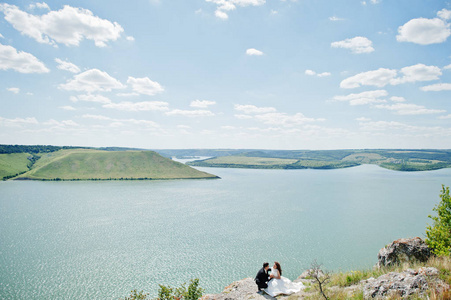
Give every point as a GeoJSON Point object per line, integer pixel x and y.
{"type": "Point", "coordinates": [279, 285]}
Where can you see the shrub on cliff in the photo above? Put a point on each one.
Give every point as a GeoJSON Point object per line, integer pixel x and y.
{"type": "Point", "coordinates": [439, 234]}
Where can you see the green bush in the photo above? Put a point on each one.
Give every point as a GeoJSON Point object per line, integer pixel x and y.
{"type": "Point", "coordinates": [439, 234]}
{"type": "Point", "coordinates": [193, 292]}
{"type": "Point", "coordinates": [137, 295]}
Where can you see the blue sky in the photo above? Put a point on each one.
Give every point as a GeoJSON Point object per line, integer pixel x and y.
{"type": "Point", "coordinates": [305, 74]}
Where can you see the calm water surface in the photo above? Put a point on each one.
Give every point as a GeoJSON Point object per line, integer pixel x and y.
{"type": "Point", "coordinates": [99, 240]}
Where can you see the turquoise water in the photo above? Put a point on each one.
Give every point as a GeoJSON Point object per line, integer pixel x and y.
{"type": "Point", "coordinates": [99, 240]}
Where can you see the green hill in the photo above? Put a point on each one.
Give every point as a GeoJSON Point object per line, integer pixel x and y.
{"type": "Point", "coordinates": [13, 164]}
{"type": "Point", "coordinates": [88, 164]}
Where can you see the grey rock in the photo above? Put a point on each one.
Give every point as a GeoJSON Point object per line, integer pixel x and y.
{"type": "Point", "coordinates": [403, 250]}
{"type": "Point", "coordinates": [402, 284]}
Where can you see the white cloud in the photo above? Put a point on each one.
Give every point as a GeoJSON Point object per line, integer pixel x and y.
{"type": "Point", "coordinates": [96, 117]}
{"type": "Point", "coordinates": [63, 123]}
{"type": "Point", "coordinates": [202, 103]}
{"type": "Point", "coordinates": [139, 106]}
{"type": "Point", "coordinates": [42, 5]}
{"type": "Point", "coordinates": [13, 90]}
{"type": "Point", "coordinates": [444, 14]}
{"type": "Point", "coordinates": [18, 122]}
{"type": "Point", "coordinates": [145, 86]}
{"type": "Point", "coordinates": [92, 80]}
{"type": "Point", "coordinates": [190, 113]}
{"type": "Point", "coordinates": [409, 109]}
{"type": "Point", "coordinates": [243, 117]}
{"type": "Point", "coordinates": [67, 66]}
{"type": "Point", "coordinates": [1, 36]}
{"type": "Point", "coordinates": [252, 51]}
{"type": "Point", "coordinates": [418, 72]}
{"type": "Point", "coordinates": [437, 87]}
{"type": "Point", "coordinates": [335, 19]}
{"type": "Point", "coordinates": [20, 61]}
{"type": "Point", "coordinates": [357, 45]}
{"type": "Point", "coordinates": [397, 99]}
{"type": "Point", "coordinates": [127, 94]}
{"type": "Point", "coordinates": [445, 117]}
{"type": "Point", "coordinates": [364, 97]}
{"type": "Point", "coordinates": [448, 67]}
{"type": "Point", "coordinates": [381, 77]}
{"type": "Point", "coordinates": [228, 5]}
{"type": "Point", "coordinates": [130, 38]}
{"type": "Point", "coordinates": [283, 119]}
{"type": "Point", "coordinates": [424, 31]}
{"type": "Point", "coordinates": [363, 119]}
{"type": "Point", "coordinates": [252, 109]}
{"type": "Point", "coordinates": [222, 15]}
{"type": "Point", "coordinates": [91, 98]}
{"type": "Point", "coordinates": [68, 26]}
{"type": "Point", "coordinates": [313, 73]}
{"type": "Point", "coordinates": [67, 107]}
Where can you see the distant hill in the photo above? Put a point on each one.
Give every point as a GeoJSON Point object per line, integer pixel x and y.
{"type": "Point", "coordinates": [394, 159]}
{"type": "Point", "coordinates": [89, 164]}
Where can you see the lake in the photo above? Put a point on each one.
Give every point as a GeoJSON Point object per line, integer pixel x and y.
{"type": "Point", "coordinates": [99, 240]}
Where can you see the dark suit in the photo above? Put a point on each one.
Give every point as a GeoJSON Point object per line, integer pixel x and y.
{"type": "Point", "coordinates": [262, 279]}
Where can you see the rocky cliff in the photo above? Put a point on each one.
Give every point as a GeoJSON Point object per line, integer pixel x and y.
{"type": "Point", "coordinates": [400, 255]}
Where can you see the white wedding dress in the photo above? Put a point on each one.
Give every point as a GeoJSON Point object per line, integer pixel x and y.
{"type": "Point", "coordinates": [282, 286]}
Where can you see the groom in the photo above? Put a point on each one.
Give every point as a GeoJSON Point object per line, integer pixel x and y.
{"type": "Point", "coordinates": [262, 277]}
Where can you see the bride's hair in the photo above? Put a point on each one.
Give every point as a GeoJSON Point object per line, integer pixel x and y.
{"type": "Point", "coordinates": [278, 267]}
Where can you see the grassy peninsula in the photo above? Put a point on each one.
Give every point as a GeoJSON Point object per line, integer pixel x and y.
{"type": "Point", "coordinates": [92, 164]}
{"type": "Point", "coordinates": [394, 159]}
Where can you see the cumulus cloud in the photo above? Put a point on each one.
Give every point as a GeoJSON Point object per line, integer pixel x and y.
{"type": "Point", "coordinates": [130, 38]}
{"type": "Point", "coordinates": [67, 66]}
{"type": "Point", "coordinates": [444, 14]}
{"type": "Point", "coordinates": [14, 90]}
{"type": "Point", "coordinates": [20, 61]}
{"type": "Point", "coordinates": [63, 123]}
{"type": "Point", "coordinates": [68, 26]}
{"type": "Point", "coordinates": [121, 122]}
{"type": "Point", "coordinates": [357, 45]}
{"type": "Point", "coordinates": [145, 86]}
{"type": "Point", "coordinates": [437, 87]}
{"type": "Point", "coordinates": [190, 113]}
{"type": "Point", "coordinates": [252, 109]}
{"type": "Point", "coordinates": [409, 109]}
{"type": "Point", "coordinates": [335, 19]}
{"type": "Point", "coordinates": [381, 77]}
{"type": "Point", "coordinates": [424, 31]}
{"type": "Point", "coordinates": [139, 106]}
{"type": "Point", "coordinates": [418, 72]}
{"type": "Point", "coordinates": [228, 5]}
{"type": "Point", "coordinates": [92, 80]}
{"type": "Point", "coordinates": [313, 73]}
{"type": "Point", "coordinates": [18, 122]}
{"type": "Point", "coordinates": [67, 107]}
{"type": "Point", "coordinates": [91, 98]}
{"type": "Point", "coordinates": [252, 51]}
{"type": "Point", "coordinates": [397, 99]}
{"type": "Point", "coordinates": [363, 98]}
{"type": "Point", "coordinates": [283, 119]}
{"type": "Point", "coordinates": [202, 103]}
{"type": "Point", "coordinates": [42, 5]}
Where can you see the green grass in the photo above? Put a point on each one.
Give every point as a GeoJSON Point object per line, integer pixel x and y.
{"type": "Point", "coordinates": [12, 164]}
{"type": "Point", "coordinates": [86, 164]}
{"type": "Point", "coordinates": [246, 162]}
{"type": "Point", "coordinates": [271, 163]}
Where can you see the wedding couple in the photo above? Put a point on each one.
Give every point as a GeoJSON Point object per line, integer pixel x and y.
{"type": "Point", "coordinates": [273, 283]}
